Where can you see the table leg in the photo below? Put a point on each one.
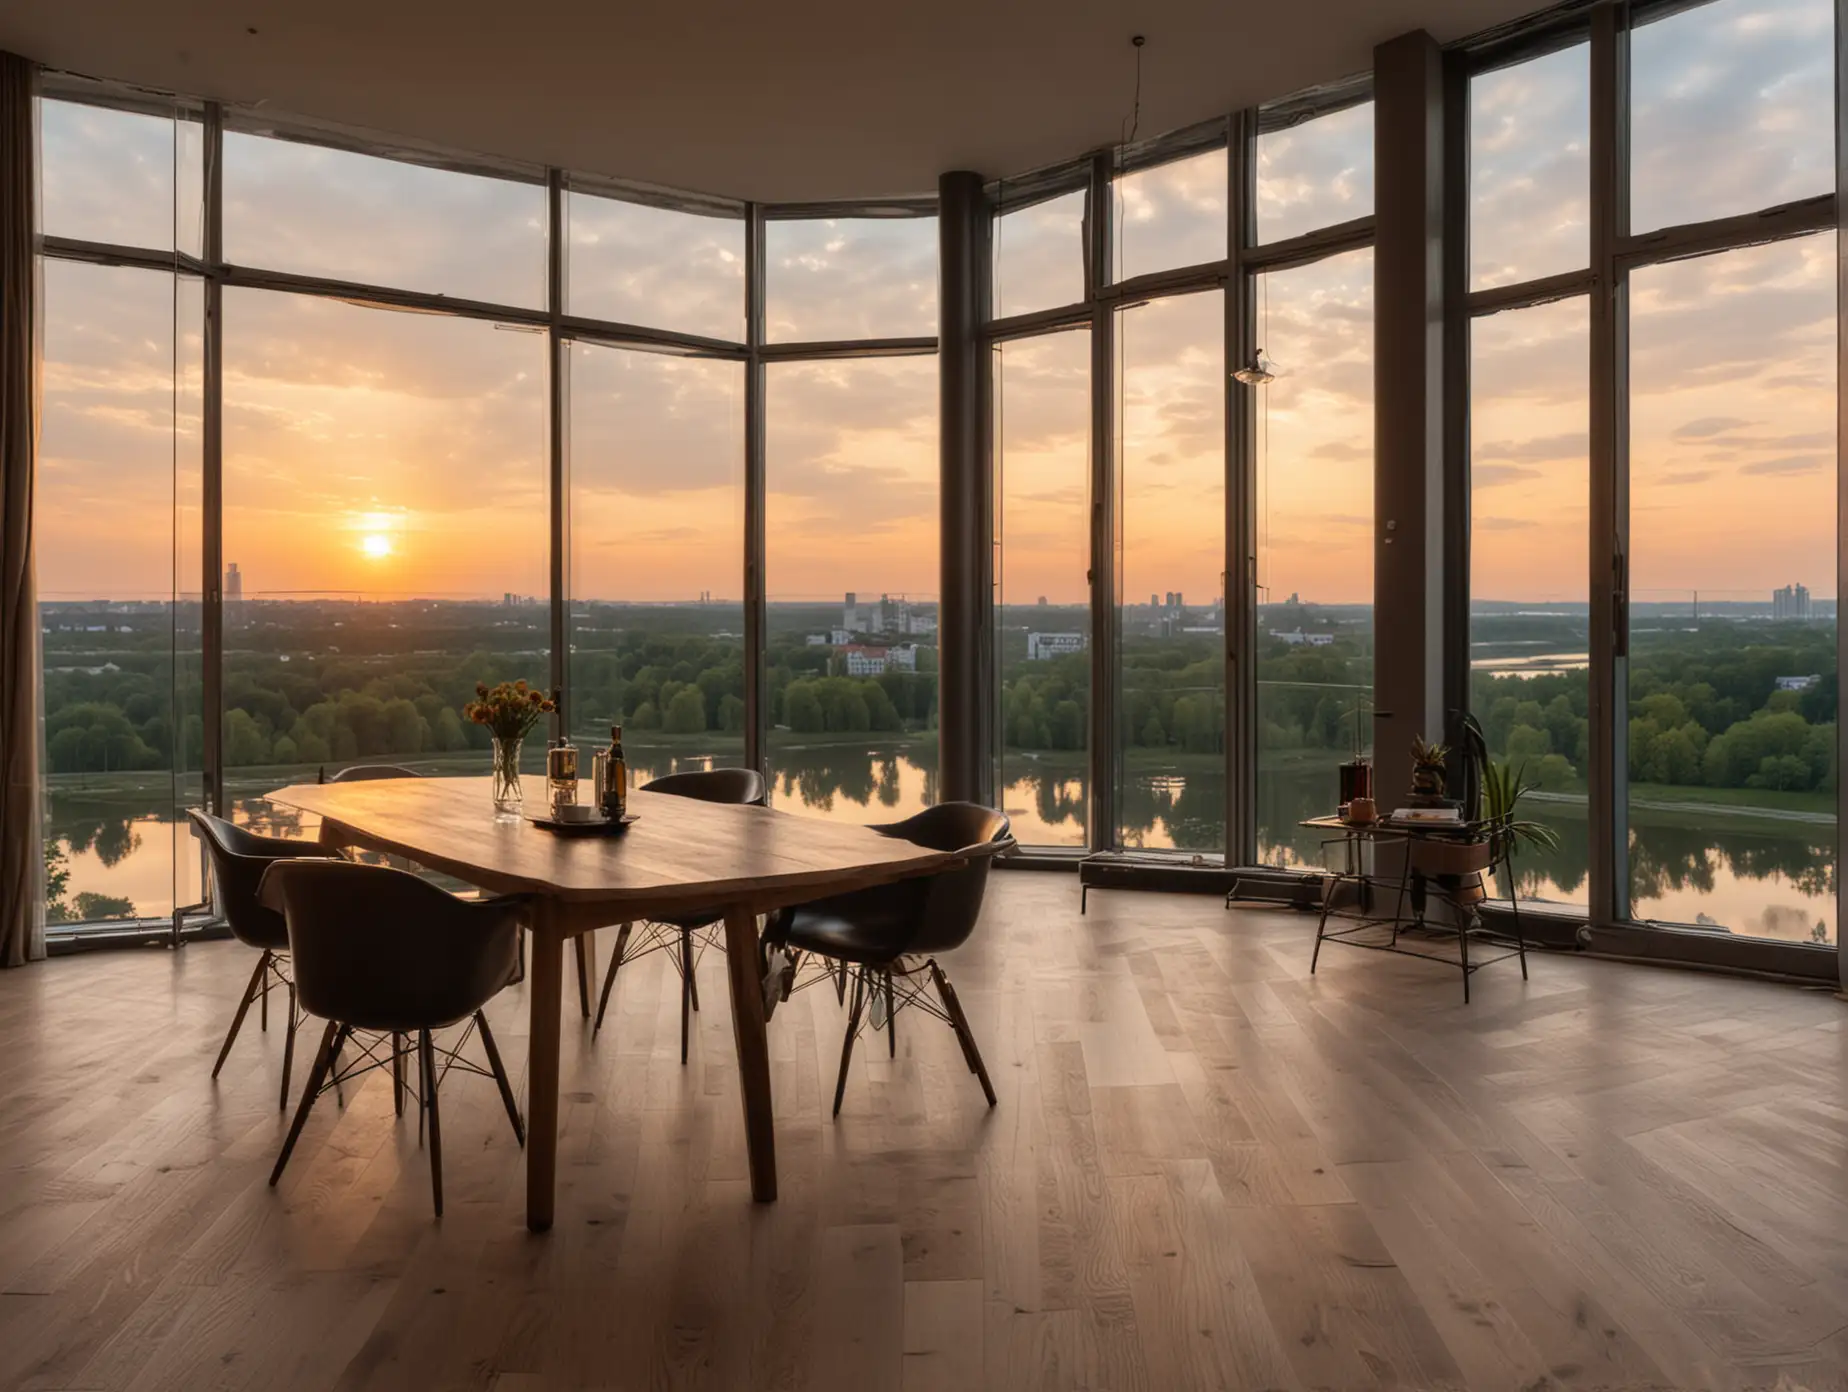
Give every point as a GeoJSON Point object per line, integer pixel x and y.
{"type": "Point", "coordinates": [747, 993]}
{"type": "Point", "coordinates": [545, 992]}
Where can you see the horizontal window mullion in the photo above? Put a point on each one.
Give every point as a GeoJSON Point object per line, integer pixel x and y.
{"type": "Point", "coordinates": [1776, 224]}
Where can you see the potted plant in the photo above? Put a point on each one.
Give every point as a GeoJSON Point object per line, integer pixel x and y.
{"type": "Point", "coordinates": [1504, 784]}
{"type": "Point", "coordinates": [509, 711]}
{"type": "Point", "coordinates": [1430, 773]}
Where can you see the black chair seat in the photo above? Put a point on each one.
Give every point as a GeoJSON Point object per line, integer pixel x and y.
{"type": "Point", "coordinates": [834, 930]}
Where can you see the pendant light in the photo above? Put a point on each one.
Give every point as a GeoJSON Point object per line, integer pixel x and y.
{"type": "Point", "coordinates": [1258, 372]}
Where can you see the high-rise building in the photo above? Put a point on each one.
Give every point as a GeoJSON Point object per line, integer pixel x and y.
{"type": "Point", "coordinates": [850, 613]}
{"type": "Point", "coordinates": [1791, 602]}
{"type": "Point", "coordinates": [234, 583]}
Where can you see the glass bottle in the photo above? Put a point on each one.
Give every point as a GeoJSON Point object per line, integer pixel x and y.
{"type": "Point", "coordinates": [561, 772]}
{"type": "Point", "coordinates": [616, 792]}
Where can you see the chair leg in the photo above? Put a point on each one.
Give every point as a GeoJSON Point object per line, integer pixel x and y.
{"type": "Point", "coordinates": [853, 1028]}
{"type": "Point", "coordinates": [609, 977]}
{"type": "Point", "coordinates": [585, 944]}
{"type": "Point", "coordinates": [243, 1009]}
{"type": "Point", "coordinates": [500, 1077]}
{"type": "Point", "coordinates": [263, 1002]}
{"type": "Point", "coordinates": [686, 988]}
{"type": "Point", "coordinates": [288, 1050]}
{"type": "Point", "coordinates": [397, 1073]}
{"type": "Point", "coordinates": [323, 1060]}
{"type": "Point", "coordinates": [427, 1055]}
{"type": "Point", "coordinates": [891, 1019]}
{"type": "Point", "coordinates": [838, 970]}
{"type": "Point", "coordinates": [953, 1008]}
{"type": "Point", "coordinates": [334, 1063]}
{"type": "Point", "coordinates": [692, 976]}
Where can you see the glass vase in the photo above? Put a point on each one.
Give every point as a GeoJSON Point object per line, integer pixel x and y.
{"type": "Point", "coordinates": [509, 797]}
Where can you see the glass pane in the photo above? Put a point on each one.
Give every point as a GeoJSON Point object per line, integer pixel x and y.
{"type": "Point", "coordinates": [1042, 588]}
{"type": "Point", "coordinates": [1530, 490]}
{"type": "Point", "coordinates": [1733, 109]}
{"type": "Point", "coordinates": [1733, 571]}
{"type": "Point", "coordinates": [1171, 677]}
{"type": "Point", "coordinates": [1315, 175]}
{"type": "Point", "coordinates": [188, 581]}
{"type": "Point", "coordinates": [1172, 215]}
{"type": "Point", "coordinates": [111, 176]}
{"type": "Point", "coordinates": [1315, 545]}
{"type": "Point", "coordinates": [1039, 256]}
{"type": "Point", "coordinates": [655, 267]}
{"type": "Point", "coordinates": [1530, 169]}
{"type": "Point", "coordinates": [385, 537]}
{"type": "Point", "coordinates": [843, 278]}
{"type": "Point", "coordinates": [310, 210]}
{"type": "Point", "coordinates": [851, 580]}
{"type": "Point", "coordinates": [106, 548]}
{"type": "Point", "coordinates": [657, 557]}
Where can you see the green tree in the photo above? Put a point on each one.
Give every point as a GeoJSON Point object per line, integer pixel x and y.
{"type": "Point", "coordinates": [686, 713]}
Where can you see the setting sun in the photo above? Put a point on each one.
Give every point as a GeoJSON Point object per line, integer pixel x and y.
{"type": "Point", "coordinates": [376, 545]}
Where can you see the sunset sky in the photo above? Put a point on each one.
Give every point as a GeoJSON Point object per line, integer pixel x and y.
{"type": "Point", "coordinates": [404, 454]}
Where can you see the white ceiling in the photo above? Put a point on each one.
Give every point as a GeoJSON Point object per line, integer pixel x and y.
{"type": "Point", "coordinates": [765, 99]}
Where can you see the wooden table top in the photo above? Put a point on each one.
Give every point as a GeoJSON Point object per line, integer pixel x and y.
{"type": "Point", "coordinates": [682, 853]}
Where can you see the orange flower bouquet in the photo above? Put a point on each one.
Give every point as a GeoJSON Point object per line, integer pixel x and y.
{"type": "Point", "coordinates": [509, 711]}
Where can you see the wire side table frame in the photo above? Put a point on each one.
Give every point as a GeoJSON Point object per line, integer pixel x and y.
{"type": "Point", "coordinates": [1355, 837]}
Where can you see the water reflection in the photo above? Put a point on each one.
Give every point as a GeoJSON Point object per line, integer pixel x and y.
{"type": "Point", "coordinates": [1762, 876]}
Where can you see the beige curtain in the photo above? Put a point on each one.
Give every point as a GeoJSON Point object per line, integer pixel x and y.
{"type": "Point", "coordinates": [22, 864]}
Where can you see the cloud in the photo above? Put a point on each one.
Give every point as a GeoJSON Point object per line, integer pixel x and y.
{"type": "Point", "coordinates": [1494, 475]}
{"type": "Point", "coordinates": [1789, 464]}
{"type": "Point", "coordinates": [1571, 444]}
{"type": "Point", "coordinates": [1502, 524]}
{"type": "Point", "coordinates": [1341, 449]}
{"type": "Point", "coordinates": [1708, 426]}
{"type": "Point", "coordinates": [1682, 477]}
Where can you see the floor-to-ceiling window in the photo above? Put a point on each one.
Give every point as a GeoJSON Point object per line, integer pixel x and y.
{"type": "Point", "coordinates": [1171, 522]}
{"type": "Point", "coordinates": [1529, 445]}
{"type": "Point", "coordinates": [117, 518]}
{"type": "Point", "coordinates": [1042, 426]}
{"type": "Point", "coordinates": [1718, 472]}
{"type": "Point", "coordinates": [385, 535]}
{"type": "Point", "coordinates": [1312, 455]}
{"type": "Point", "coordinates": [850, 561]}
{"type": "Point", "coordinates": [655, 465]}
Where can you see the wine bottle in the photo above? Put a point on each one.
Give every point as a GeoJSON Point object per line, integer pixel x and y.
{"type": "Point", "coordinates": [616, 791]}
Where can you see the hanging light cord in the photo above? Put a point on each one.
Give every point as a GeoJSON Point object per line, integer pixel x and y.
{"type": "Point", "coordinates": [1134, 120]}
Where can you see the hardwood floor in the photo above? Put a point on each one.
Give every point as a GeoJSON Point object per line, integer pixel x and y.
{"type": "Point", "coordinates": [1207, 1169]}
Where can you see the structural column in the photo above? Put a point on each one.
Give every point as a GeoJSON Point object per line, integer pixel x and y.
{"type": "Point", "coordinates": [965, 635]}
{"type": "Point", "coordinates": [1409, 574]}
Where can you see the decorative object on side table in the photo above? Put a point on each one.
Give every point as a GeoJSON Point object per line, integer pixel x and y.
{"type": "Point", "coordinates": [1430, 774]}
{"type": "Point", "coordinates": [509, 711]}
{"type": "Point", "coordinates": [1356, 774]}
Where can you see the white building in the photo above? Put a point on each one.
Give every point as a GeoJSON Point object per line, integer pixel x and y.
{"type": "Point", "coordinates": [818, 640]}
{"type": "Point", "coordinates": [1300, 639]}
{"type": "Point", "coordinates": [863, 661]}
{"type": "Point", "coordinates": [1798, 683]}
{"type": "Point", "coordinates": [1042, 647]}
{"type": "Point", "coordinates": [903, 658]}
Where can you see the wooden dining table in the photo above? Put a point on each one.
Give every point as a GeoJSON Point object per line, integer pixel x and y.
{"type": "Point", "coordinates": [680, 855]}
